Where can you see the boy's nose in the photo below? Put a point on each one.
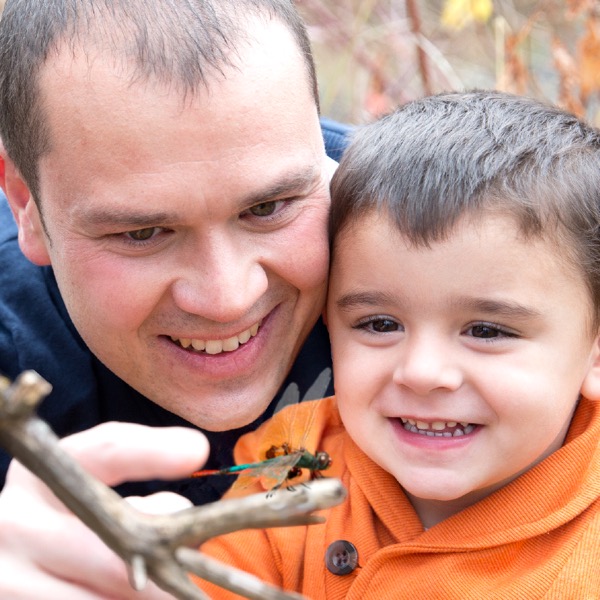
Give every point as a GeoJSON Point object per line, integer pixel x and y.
{"type": "Point", "coordinates": [426, 365]}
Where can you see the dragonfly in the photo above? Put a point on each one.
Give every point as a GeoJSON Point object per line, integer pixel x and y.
{"type": "Point", "coordinates": [283, 460]}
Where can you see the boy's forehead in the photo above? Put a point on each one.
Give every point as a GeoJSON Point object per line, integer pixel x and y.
{"type": "Point", "coordinates": [552, 242]}
{"type": "Point", "coordinates": [481, 223]}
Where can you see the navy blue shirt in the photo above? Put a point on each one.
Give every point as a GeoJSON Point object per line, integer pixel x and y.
{"type": "Point", "coordinates": [37, 333]}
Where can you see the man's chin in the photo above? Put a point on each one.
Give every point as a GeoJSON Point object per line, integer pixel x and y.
{"type": "Point", "coordinates": [221, 411]}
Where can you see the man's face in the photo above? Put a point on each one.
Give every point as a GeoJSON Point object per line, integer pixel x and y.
{"type": "Point", "coordinates": [189, 239]}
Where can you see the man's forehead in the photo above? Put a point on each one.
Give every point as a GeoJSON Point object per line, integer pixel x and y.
{"type": "Point", "coordinates": [109, 131]}
{"type": "Point", "coordinates": [265, 45]}
{"type": "Point", "coordinates": [89, 99]}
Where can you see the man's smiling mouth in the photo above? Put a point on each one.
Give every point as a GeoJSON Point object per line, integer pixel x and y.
{"type": "Point", "coordinates": [217, 346]}
{"type": "Point", "coordinates": [438, 428]}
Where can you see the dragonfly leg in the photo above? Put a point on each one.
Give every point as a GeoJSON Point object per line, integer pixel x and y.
{"type": "Point", "coordinates": [272, 491]}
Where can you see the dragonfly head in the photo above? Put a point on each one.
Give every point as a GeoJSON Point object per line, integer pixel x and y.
{"type": "Point", "coordinates": [323, 461]}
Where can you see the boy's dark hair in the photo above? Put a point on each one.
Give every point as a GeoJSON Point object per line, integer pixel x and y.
{"type": "Point", "coordinates": [437, 159]}
{"type": "Point", "coordinates": [175, 42]}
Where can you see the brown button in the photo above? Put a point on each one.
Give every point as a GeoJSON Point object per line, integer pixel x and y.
{"type": "Point", "coordinates": [341, 557]}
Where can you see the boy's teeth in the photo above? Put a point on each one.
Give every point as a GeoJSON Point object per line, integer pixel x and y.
{"type": "Point", "coordinates": [438, 428]}
{"type": "Point", "coordinates": [218, 346]}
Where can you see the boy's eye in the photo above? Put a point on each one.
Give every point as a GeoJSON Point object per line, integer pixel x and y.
{"type": "Point", "coordinates": [265, 209]}
{"type": "Point", "coordinates": [384, 325]}
{"type": "Point", "coordinates": [142, 235]}
{"type": "Point", "coordinates": [485, 331]}
{"type": "Point", "coordinates": [378, 325]}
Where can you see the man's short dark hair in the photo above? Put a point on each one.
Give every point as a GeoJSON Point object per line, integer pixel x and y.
{"type": "Point", "coordinates": [180, 43]}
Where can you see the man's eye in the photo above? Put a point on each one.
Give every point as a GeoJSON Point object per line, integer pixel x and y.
{"type": "Point", "coordinates": [265, 209]}
{"type": "Point", "coordinates": [142, 235]}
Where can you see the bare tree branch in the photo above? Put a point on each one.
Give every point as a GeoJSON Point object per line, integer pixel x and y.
{"type": "Point", "coordinates": [158, 547]}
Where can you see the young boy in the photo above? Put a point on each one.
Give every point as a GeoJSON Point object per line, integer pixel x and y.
{"type": "Point", "coordinates": [464, 314]}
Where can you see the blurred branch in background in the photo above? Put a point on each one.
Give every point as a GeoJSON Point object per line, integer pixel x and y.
{"type": "Point", "coordinates": [375, 54]}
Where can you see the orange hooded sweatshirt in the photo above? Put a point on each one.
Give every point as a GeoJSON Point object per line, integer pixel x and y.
{"type": "Point", "coordinates": [538, 537]}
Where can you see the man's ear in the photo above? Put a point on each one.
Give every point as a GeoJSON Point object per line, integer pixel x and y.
{"type": "Point", "coordinates": [591, 383]}
{"type": "Point", "coordinates": [32, 237]}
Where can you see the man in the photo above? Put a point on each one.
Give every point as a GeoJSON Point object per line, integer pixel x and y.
{"type": "Point", "coordinates": [166, 160]}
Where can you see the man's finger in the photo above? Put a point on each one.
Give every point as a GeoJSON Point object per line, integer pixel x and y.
{"type": "Point", "coordinates": [118, 452]}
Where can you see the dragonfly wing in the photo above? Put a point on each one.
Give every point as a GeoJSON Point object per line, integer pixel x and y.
{"type": "Point", "coordinates": [294, 426]}
{"type": "Point", "coordinates": [272, 473]}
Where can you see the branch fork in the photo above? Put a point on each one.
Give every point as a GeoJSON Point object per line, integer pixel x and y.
{"type": "Point", "coordinates": [162, 548]}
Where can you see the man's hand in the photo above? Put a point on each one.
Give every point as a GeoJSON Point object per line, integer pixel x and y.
{"type": "Point", "coordinates": [46, 552]}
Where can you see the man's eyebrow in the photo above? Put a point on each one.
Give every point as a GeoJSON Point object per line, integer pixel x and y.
{"type": "Point", "coordinates": [122, 217]}
{"type": "Point", "coordinates": [292, 183]}
{"type": "Point", "coordinates": [354, 300]}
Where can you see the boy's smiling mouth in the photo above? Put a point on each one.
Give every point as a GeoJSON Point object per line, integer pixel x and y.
{"type": "Point", "coordinates": [444, 429]}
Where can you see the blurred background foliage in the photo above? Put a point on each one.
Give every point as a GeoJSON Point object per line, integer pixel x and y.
{"type": "Point", "coordinates": [375, 54]}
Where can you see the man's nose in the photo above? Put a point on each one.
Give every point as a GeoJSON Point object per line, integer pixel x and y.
{"type": "Point", "coordinates": [222, 283]}
{"type": "Point", "coordinates": [427, 364]}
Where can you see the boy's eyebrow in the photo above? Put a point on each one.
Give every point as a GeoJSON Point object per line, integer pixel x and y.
{"type": "Point", "coordinates": [356, 299]}
{"type": "Point", "coordinates": [502, 308]}
{"type": "Point", "coordinates": [498, 307]}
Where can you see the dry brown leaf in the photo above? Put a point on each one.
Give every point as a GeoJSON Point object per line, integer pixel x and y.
{"type": "Point", "coordinates": [577, 7]}
{"type": "Point", "coordinates": [589, 58]}
{"type": "Point", "coordinates": [568, 78]}
{"type": "Point", "coordinates": [377, 102]}
{"type": "Point", "coordinates": [515, 74]}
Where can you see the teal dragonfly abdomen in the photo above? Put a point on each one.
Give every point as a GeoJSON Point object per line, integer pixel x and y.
{"type": "Point", "coordinates": [282, 464]}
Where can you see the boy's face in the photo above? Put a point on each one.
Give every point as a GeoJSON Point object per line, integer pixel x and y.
{"type": "Point", "coordinates": [457, 367]}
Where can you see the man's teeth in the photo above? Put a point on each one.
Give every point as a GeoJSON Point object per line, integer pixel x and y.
{"type": "Point", "coordinates": [438, 428]}
{"type": "Point", "coordinates": [218, 346]}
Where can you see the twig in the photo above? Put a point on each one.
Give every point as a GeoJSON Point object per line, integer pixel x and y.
{"type": "Point", "coordinates": [415, 26]}
{"type": "Point", "coordinates": [153, 546]}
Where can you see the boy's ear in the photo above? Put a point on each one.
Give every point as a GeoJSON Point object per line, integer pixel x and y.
{"type": "Point", "coordinates": [591, 383]}
{"type": "Point", "coordinates": [32, 237]}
